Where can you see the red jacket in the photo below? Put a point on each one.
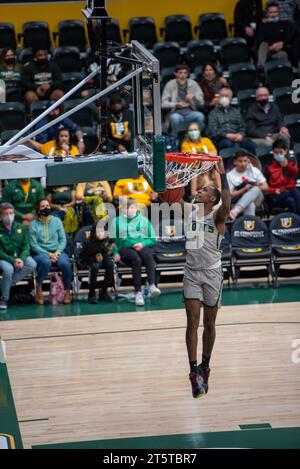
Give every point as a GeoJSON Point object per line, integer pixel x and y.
{"type": "Point", "coordinates": [283, 178]}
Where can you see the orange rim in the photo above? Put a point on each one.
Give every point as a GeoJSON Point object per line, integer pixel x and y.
{"type": "Point", "coordinates": [190, 157]}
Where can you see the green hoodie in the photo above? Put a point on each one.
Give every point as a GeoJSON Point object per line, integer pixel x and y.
{"type": "Point", "coordinates": [15, 244]}
{"type": "Point", "coordinates": [128, 231]}
{"type": "Point", "coordinates": [14, 194]}
{"type": "Point", "coordinates": [47, 236]}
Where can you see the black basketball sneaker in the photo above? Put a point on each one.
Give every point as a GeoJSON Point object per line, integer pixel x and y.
{"type": "Point", "coordinates": [198, 389]}
{"type": "Point", "coordinates": [204, 373]}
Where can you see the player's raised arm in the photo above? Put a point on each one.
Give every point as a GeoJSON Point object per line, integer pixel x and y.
{"type": "Point", "coordinates": [222, 213]}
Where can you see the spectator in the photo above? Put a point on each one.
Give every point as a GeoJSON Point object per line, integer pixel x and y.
{"type": "Point", "coordinates": [97, 254]}
{"type": "Point", "coordinates": [183, 98]}
{"type": "Point", "coordinates": [15, 262]}
{"type": "Point", "coordinates": [282, 177]}
{"type": "Point", "coordinates": [10, 73]}
{"type": "Point", "coordinates": [51, 133]}
{"type": "Point", "coordinates": [247, 185]}
{"type": "Point", "coordinates": [134, 237]}
{"type": "Point", "coordinates": [61, 198]}
{"type": "Point", "coordinates": [61, 146]}
{"type": "Point", "coordinates": [41, 79]}
{"type": "Point", "coordinates": [211, 83]}
{"type": "Point", "coordinates": [48, 243]}
{"type": "Point", "coordinates": [264, 122]}
{"type": "Point", "coordinates": [274, 37]}
{"type": "Point", "coordinates": [288, 9]}
{"type": "Point", "coordinates": [138, 189]}
{"type": "Point", "coordinates": [119, 135]}
{"type": "Point", "coordinates": [93, 195]}
{"type": "Point", "coordinates": [226, 126]}
{"type": "Point", "coordinates": [23, 194]}
{"type": "Point", "coordinates": [248, 15]}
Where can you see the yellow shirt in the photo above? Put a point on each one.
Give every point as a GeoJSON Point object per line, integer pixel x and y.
{"type": "Point", "coordinates": [137, 189]}
{"type": "Point", "coordinates": [49, 148]}
{"type": "Point", "coordinates": [83, 189]}
{"type": "Point", "coordinates": [26, 187]}
{"type": "Point", "coordinates": [204, 145]}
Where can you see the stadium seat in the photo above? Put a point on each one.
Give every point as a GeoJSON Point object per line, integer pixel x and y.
{"type": "Point", "coordinates": [285, 241]}
{"type": "Point", "coordinates": [278, 73]}
{"type": "Point", "coordinates": [142, 29]}
{"type": "Point", "coordinates": [296, 150]}
{"type": "Point", "coordinates": [242, 76]}
{"type": "Point", "coordinates": [292, 122]}
{"type": "Point", "coordinates": [250, 242]}
{"type": "Point", "coordinates": [226, 249]}
{"type": "Point", "coordinates": [71, 79]}
{"type": "Point", "coordinates": [71, 33]}
{"type": "Point", "coordinates": [7, 36]}
{"type": "Point", "coordinates": [233, 50]}
{"type": "Point", "coordinates": [25, 55]}
{"type": "Point", "coordinates": [212, 26]}
{"type": "Point", "coordinates": [91, 139]}
{"type": "Point", "coordinates": [86, 117]}
{"type": "Point", "coordinates": [177, 28]}
{"type": "Point", "coordinates": [12, 116]}
{"type": "Point", "coordinates": [245, 99]}
{"type": "Point", "coordinates": [283, 99]}
{"type": "Point", "coordinates": [166, 75]}
{"type": "Point", "coordinates": [168, 54]}
{"type": "Point", "coordinates": [68, 59]}
{"type": "Point", "coordinates": [113, 31]}
{"type": "Point", "coordinates": [7, 135]}
{"type": "Point", "coordinates": [36, 108]}
{"type": "Point", "coordinates": [36, 33]}
{"type": "Point", "coordinates": [199, 52]}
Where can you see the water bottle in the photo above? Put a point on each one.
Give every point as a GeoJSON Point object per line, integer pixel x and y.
{"type": "Point", "coordinates": [146, 290]}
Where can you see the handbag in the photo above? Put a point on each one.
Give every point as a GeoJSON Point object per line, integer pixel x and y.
{"type": "Point", "coordinates": [57, 290]}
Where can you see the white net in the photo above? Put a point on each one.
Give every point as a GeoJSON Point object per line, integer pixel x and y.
{"type": "Point", "coordinates": [180, 173]}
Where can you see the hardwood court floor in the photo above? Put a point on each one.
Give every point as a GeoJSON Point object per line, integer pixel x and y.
{"type": "Point", "coordinates": [124, 375]}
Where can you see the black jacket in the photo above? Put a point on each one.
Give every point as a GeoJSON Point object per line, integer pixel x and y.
{"type": "Point", "coordinates": [95, 246]}
{"type": "Point", "coordinates": [276, 32]}
{"type": "Point", "coordinates": [259, 124]}
{"type": "Point", "coordinates": [246, 12]}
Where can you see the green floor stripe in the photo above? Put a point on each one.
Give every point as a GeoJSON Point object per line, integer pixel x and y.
{"type": "Point", "coordinates": [274, 438]}
{"type": "Point", "coordinates": [167, 301]}
{"type": "Point", "coordinates": [255, 426]}
{"type": "Point", "coordinates": [10, 436]}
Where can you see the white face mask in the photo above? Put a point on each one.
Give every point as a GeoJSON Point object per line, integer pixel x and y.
{"type": "Point", "coordinates": [8, 219]}
{"type": "Point", "coordinates": [224, 101]}
{"type": "Point", "coordinates": [181, 81]}
{"type": "Point", "coordinates": [194, 134]}
{"type": "Point", "coordinates": [278, 157]}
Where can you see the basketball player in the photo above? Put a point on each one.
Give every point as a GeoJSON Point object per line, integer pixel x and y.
{"type": "Point", "coordinates": [203, 276]}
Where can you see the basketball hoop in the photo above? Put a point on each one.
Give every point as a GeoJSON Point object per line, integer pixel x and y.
{"type": "Point", "coordinates": [181, 168]}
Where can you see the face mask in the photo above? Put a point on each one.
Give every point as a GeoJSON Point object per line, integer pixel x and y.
{"type": "Point", "coordinates": [278, 157]}
{"type": "Point", "coordinates": [275, 19]}
{"type": "Point", "coordinates": [41, 61]}
{"type": "Point", "coordinates": [181, 82]}
{"type": "Point", "coordinates": [116, 112]}
{"type": "Point", "coordinates": [194, 134]}
{"type": "Point", "coordinates": [8, 219]}
{"type": "Point", "coordinates": [225, 102]}
{"type": "Point", "coordinates": [10, 61]}
{"type": "Point", "coordinates": [263, 102]}
{"type": "Point", "coordinates": [45, 212]}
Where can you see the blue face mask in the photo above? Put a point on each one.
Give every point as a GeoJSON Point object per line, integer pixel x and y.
{"type": "Point", "coordinates": [8, 219]}
{"type": "Point", "coordinates": [278, 157]}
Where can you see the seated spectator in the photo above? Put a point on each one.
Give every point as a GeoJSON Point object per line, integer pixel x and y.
{"type": "Point", "coordinates": [119, 135]}
{"type": "Point", "coordinates": [97, 254]}
{"type": "Point", "coordinates": [15, 262]}
{"type": "Point", "coordinates": [62, 200]}
{"type": "Point", "coordinates": [23, 194]}
{"type": "Point", "coordinates": [248, 16]}
{"type": "Point", "coordinates": [138, 189]}
{"type": "Point", "coordinates": [48, 243]}
{"type": "Point", "coordinates": [183, 98]}
{"type": "Point", "coordinates": [282, 177]}
{"type": "Point", "coordinates": [41, 79]}
{"type": "Point", "coordinates": [226, 126]}
{"type": "Point", "coordinates": [246, 184]}
{"type": "Point", "coordinates": [288, 9]}
{"type": "Point", "coordinates": [211, 83]}
{"type": "Point", "coordinates": [274, 37]}
{"type": "Point", "coordinates": [134, 237]}
{"type": "Point", "coordinates": [264, 123]}
{"type": "Point", "coordinates": [61, 146]}
{"type": "Point", "coordinates": [10, 73]}
{"type": "Point", "coordinates": [51, 133]}
{"type": "Point", "coordinates": [93, 195]}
